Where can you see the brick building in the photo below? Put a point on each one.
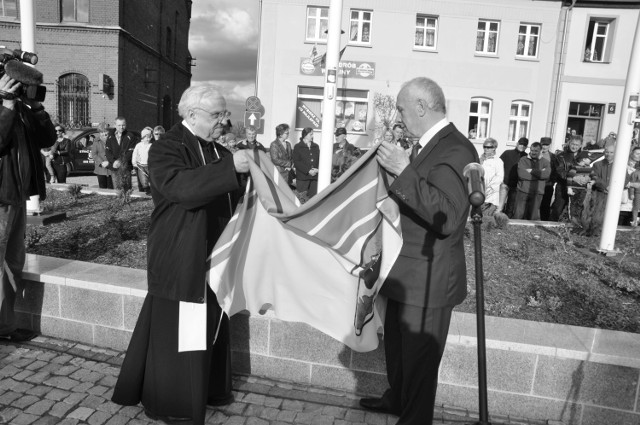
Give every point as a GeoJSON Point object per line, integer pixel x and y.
{"type": "Point", "coordinates": [106, 58]}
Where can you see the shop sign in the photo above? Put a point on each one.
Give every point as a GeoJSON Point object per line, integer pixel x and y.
{"type": "Point", "coordinates": [346, 69]}
{"type": "Point", "coordinates": [306, 117]}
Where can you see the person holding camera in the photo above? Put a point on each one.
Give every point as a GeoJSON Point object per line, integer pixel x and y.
{"type": "Point", "coordinates": [25, 128]}
{"type": "Point", "coordinates": [61, 154]}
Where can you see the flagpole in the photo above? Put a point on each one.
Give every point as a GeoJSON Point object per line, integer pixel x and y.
{"type": "Point", "coordinates": [330, 92]}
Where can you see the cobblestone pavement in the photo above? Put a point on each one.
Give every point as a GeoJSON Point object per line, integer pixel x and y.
{"type": "Point", "coordinates": [50, 381]}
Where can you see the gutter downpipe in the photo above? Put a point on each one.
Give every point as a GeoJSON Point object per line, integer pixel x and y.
{"type": "Point", "coordinates": [560, 66]}
{"type": "Point", "coordinates": [255, 91]}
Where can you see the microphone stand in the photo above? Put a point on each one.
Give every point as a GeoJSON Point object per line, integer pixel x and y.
{"type": "Point", "coordinates": [476, 219]}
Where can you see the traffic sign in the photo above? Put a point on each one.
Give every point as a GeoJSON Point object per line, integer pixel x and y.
{"type": "Point", "coordinates": [254, 119]}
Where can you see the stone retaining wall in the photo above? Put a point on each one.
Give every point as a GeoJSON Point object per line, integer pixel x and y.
{"type": "Point", "coordinates": [539, 371]}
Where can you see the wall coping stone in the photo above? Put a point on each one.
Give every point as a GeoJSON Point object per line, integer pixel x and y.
{"type": "Point", "coordinates": [560, 341]}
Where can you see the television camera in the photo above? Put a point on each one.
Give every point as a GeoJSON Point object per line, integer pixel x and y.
{"type": "Point", "coordinates": [14, 64]}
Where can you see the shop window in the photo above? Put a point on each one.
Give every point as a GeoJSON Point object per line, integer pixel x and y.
{"type": "Point", "coordinates": [317, 24]}
{"type": "Point", "coordinates": [360, 27]}
{"type": "Point", "coordinates": [585, 119]}
{"type": "Point", "coordinates": [598, 43]}
{"type": "Point", "coordinates": [73, 100]}
{"type": "Point", "coordinates": [426, 32]}
{"type": "Point", "coordinates": [528, 38]}
{"type": "Point", "coordinates": [352, 108]}
{"type": "Point", "coordinates": [9, 8]}
{"type": "Point", "coordinates": [75, 10]}
{"type": "Point", "coordinates": [487, 37]}
{"type": "Point", "coordinates": [519, 120]}
{"type": "Point", "coordinates": [479, 118]}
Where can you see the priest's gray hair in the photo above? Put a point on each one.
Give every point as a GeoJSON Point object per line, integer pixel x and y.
{"type": "Point", "coordinates": [428, 90]}
{"type": "Point", "coordinates": [193, 96]}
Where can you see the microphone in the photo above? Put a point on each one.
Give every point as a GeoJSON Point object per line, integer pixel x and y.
{"type": "Point", "coordinates": [29, 57]}
{"type": "Point", "coordinates": [25, 74]}
{"type": "Point", "coordinates": [475, 180]}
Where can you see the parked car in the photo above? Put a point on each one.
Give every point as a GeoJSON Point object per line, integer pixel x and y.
{"type": "Point", "coordinates": [81, 141]}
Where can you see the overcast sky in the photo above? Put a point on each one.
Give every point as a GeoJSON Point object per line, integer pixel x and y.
{"type": "Point", "coordinates": [224, 40]}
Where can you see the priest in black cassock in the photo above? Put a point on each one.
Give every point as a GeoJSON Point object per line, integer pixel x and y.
{"type": "Point", "coordinates": [173, 366]}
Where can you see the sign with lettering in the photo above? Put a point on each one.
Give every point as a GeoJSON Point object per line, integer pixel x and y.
{"type": "Point", "coordinates": [611, 108]}
{"type": "Point", "coordinates": [306, 117]}
{"type": "Point", "coordinates": [346, 69]}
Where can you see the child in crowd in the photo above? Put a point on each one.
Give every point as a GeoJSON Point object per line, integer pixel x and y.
{"type": "Point", "coordinates": [140, 159]}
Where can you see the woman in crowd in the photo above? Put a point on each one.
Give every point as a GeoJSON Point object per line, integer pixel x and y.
{"type": "Point", "coordinates": [158, 131]}
{"type": "Point", "coordinates": [306, 156]}
{"type": "Point", "coordinates": [493, 173]}
{"type": "Point", "coordinates": [280, 152]}
{"type": "Point", "coordinates": [140, 159]}
{"type": "Point", "coordinates": [105, 181]}
{"type": "Point", "coordinates": [633, 175]}
{"type": "Point", "coordinates": [61, 154]}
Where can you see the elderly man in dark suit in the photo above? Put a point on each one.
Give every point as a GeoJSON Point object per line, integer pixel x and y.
{"type": "Point", "coordinates": [429, 277]}
{"type": "Point", "coordinates": [172, 365]}
{"type": "Point", "coordinates": [119, 151]}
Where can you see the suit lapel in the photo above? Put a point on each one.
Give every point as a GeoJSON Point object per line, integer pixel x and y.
{"type": "Point", "coordinates": [191, 143]}
{"type": "Point", "coordinates": [437, 138]}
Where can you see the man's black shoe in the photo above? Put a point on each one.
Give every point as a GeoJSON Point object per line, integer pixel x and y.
{"type": "Point", "coordinates": [20, 335]}
{"type": "Point", "coordinates": [377, 405]}
{"type": "Point", "coordinates": [217, 402]}
{"type": "Point", "coordinates": [171, 420]}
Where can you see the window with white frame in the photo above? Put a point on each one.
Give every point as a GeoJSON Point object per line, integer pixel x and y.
{"type": "Point", "coordinates": [598, 43]}
{"type": "Point", "coordinates": [75, 10]}
{"type": "Point", "coordinates": [317, 23]}
{"type": "Point", "coordinates": [528, 38]}
{"type": "Point", "coordinates": [426, 32]}
{"type": "Point", "coordinates": [487, 37]}
{"type": "Point", "coordinates": [352, 108]}
{"type": "Point", "coordinates": [9, 8]}
{"type": "Point", "coordinates": [360, 26]}
{"type": "Point", "coordinates": [519, 120]}
{"type": "Point", "coordinates": [479, 118]}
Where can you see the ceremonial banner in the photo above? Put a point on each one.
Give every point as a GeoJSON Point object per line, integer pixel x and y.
{"type": "Point", "coordinates": [321, 263]}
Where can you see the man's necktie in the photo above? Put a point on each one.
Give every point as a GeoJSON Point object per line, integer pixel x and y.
{"type": "Point", "coordinates": [414, 151]}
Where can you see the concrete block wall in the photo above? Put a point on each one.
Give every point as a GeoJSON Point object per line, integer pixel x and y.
{"type": "Point", "coordinates": [538, 371]}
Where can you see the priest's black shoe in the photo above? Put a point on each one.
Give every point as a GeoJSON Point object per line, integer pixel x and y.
{"type": "Point", "coordinates": [223, 401]}
{"type": "Point", "coordinates": [377, 405]}
{"type": "Point", "coordinates": [171, 420]}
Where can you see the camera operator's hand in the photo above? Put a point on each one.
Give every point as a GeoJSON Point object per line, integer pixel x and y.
{"type": "Point", "coordinates": [116, 164]}
{"type": "Point", "coordinates": [8, 89]}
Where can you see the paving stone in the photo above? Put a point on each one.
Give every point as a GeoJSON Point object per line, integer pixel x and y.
{"type": "Point", "coordinates": [322, 420]}
{"type": "Point", "coordinates": [83, 387]}
{"type": "Point", "coordinates": [254, 399]}
{"type": "Point", "coordinates": [257, 421]}
{"type": "Point", "coordinates": [24, 401]}
{"type": "Point", "coordinates": [8, 413]}
{"type": "Point", "coordinates": [269, 413]}
{"type": "Point", "coordinates": [60, 409]}
{"type": "Point", "coordinates": [218, 418]}
{"type": "Point", "coordinates": [61, 382]}
{"type": "Point", "coordinates": [57, 394]}
{"type": "Point", "coordinates": [98, 418]}
{"type": "Point", "coordinates": [118, 420]}
{"type": "Point", "coordinates": [46, 356]}
{"type": "Point", "coordinates": [130, 411]}
{"type": "Point", "coordinates": [234, 409]}
{"type": "Point", "coordinates": [24, 419]}
{"type": "Point", "coordinates": [272, 402]}
{"type": "Point", "coordinates": [74, 398]}
{"type": "Point", "coordinates": [40, 407]}
{"type": "Point", "coordinates": [22, 375]}
{"type": "Point", "coordinates": [236, 420]}
{"type": "Point", "coordinates": [62, 359]}
{"type": "Point", "coordinates": [353, 415]}
{"type": "Point", "coordinates": [8, 397]}
{"type": "Point", "coordinates": [375, 418]}
{"type": "Point", "coordinates": [38, 377]}
{"type": "Point", "coordinates": [335, 411]}
{"type": "Point", "coordinates": [38, 390]}
{"type": "Point", "coordinates": [22, 387]}
{"type": "Point", "coordinates": [109, 407]}
{"type": "Point", "coordinates": [98, 390]}
{"type": "Point", "coordinates": [253, 410]}
{"type": "Point", "coordinates": [293, 405]}
{"type": "Point", "coordinates": [108, 381]}
{"type": "Point", "coordinates": [66, 370]}
{"type": "Point", "coordinates": [286, 415]}
{"type": "Point", "coordinates": [47, 420]}
{"type": "Point", "coordinates": [304, 418]}
{"type": "Point", "coordinates": [9, 370]}
{"type": "Point", "coordinates": [36, 365]}
{"type": "Point", "coordinates": [92, 401]}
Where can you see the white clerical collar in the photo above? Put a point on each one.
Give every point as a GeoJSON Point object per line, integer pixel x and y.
{"type": "Point", "coordinates": [186, 124]}
{"type": "Point", "coordinates": [426, 137]}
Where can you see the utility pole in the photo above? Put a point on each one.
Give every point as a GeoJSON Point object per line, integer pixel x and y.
{"type": "Point", "coordinates": [28, 44]}
{"type": "Point", "coordinates": [330, 92]}
{"type": "Point", "coordinates": [623, 146]}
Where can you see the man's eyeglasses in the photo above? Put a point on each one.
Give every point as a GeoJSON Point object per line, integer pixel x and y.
{"type": "Point", "coordinates": [488, 147]}
{"type": "Point", "coordinates": [59, 130]}
{"type": "Point", "coordinates": [216, 116]}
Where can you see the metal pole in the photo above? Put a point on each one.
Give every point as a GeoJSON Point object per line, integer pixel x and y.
{"type": "Point", "coordinates": [28, 44]}
{"type": "Point", "coordinates": [476, 219]}
{"type": "Point", "coordinates": [623, 146]}
{"type": "Point", "coordinates": [330, 91]}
